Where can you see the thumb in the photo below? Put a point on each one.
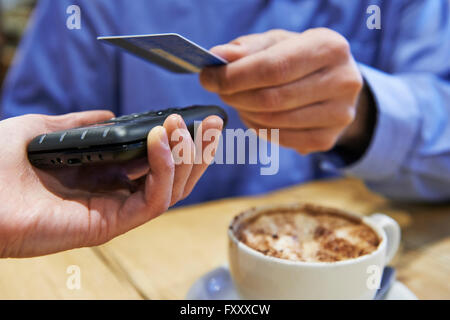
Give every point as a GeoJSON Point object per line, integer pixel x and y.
{"type": "Point", "coordinates": [77, 119]}
{"type": "Point", "coordinates": [230, 52]}
{"type": "Point", "coordinates": [32, 125]}
{"type": "Point", "coordinates": [250, 44]}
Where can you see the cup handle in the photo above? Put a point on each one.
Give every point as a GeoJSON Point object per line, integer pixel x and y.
{"type": "Point", "coordinates": [392, 230]}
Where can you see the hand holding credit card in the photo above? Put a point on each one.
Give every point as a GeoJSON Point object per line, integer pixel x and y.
{"type": "Point", "coordinates": [306, 84]}
{"type": "Point", "coordinates": [170, 51]}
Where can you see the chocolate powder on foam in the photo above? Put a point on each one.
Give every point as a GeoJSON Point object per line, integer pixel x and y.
{"type": "Point", "coordinates": [309, 233]}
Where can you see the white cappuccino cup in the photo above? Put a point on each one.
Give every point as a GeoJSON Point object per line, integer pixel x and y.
{"type": "Point", "coordinates": [259, 276]}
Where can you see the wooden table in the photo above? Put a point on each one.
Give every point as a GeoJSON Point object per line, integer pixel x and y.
{"type": "Point", "coordinates": [162, 259]}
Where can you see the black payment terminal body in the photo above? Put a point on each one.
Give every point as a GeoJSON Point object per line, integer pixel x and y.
{"type": "Point", "coordinates": [114, 141]}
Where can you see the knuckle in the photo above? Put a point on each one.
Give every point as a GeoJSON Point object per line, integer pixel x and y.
{"type": "Point", "coordinates": [277, 33]}
{"type": "Point", "coordinates": [344, 115]}
{"type": "Point", "coordinates": [318, 32]}
{"type": "Point", "coordinates": [351, 115]}
{"type": "Point", "coordinates": [328, 144]}
{"type": "Point", "coordinates": [336, 47]}
{"type": "Point", "coordinates": [340, 51]}
{"type": "Point", "coordinates": [351, 84]}
{"type": "Point", "coordinates": [33, 116]}
{"type": "Point", "coordinates": [321, 142]}
{"type": "Point", "coordinates": [304, 151]}
{"type": "Point", "coordinates": [324, 145]}
{"type": "Point", "coordinates": [341, 44]}
{"type": "Point", "coordinates": [323, 30]}
{"type": "Point", "coordinates": [48, 120]}
{"type": "Point", "coordinates": [348, 116]}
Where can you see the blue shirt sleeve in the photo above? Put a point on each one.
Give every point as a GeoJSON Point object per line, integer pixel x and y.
{"type": "Point", "coordinates": [409, 155]}
{"type": "Point", "coordinates": [52, 77]}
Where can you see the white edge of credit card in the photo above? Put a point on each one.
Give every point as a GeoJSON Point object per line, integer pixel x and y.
{"type": "Point", "coordinates": [159, 35]}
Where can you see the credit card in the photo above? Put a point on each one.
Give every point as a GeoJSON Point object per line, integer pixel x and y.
{"type": "Point", "coordinates": [169, 50]}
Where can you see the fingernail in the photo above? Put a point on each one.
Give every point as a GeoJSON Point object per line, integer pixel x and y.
{"type": "Point", "coordinates": [161, 133]}
{"type": "Point", "coordinates": [224, 47]}
{"type": "Point", "coordinates": [217, 49]}
{"type": "Point", "coordinates": [180, 121]}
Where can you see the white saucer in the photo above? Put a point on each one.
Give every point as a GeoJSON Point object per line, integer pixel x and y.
{"type": "Point", "coordinates": [217, 285]}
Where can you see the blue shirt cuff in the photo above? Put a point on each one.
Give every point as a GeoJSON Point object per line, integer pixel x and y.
{"type": "Point", "coordinates": [396, 126]}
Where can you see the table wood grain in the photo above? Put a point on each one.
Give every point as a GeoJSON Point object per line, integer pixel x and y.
{"type": "Point", "coordinates": [163, 258]}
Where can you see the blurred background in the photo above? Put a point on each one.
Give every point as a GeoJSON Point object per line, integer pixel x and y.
{"type": "Point", "coordinates": [14, 15]}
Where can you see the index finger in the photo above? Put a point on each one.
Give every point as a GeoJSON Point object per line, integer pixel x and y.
{"type": "Point", "coordinates": [206, 140]}
{"type": "Point", "coordinates": [154, 197]}
{"type": "Point", "coordinates": [284, 62]}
